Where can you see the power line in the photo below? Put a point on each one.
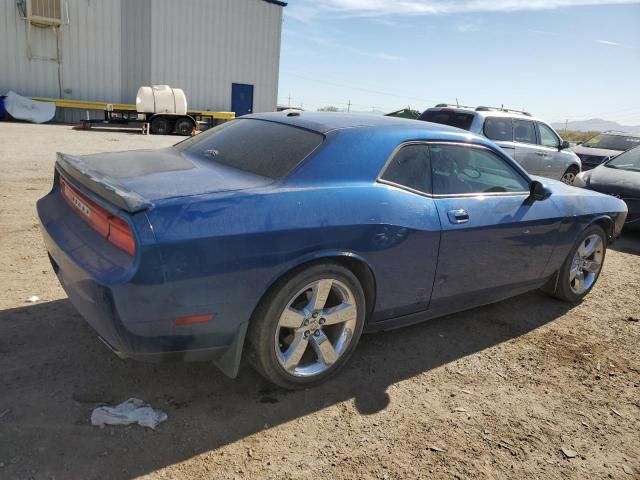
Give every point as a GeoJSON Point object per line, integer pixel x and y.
{"type": "Point", "coordinates": [368, 90]}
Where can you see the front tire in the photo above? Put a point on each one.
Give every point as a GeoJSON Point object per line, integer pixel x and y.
{"type": "Point", "coordinates": [583, 265]}
{"type": "Point", "coordinates": [307, 326]}
{"type": "Point", "coordinates": [570, 175]}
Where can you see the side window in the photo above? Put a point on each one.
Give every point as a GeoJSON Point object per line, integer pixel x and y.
{"type": "Point", "coordinates": [548, 137]}
{"type": "Point", "coordinates": [524, 131]}
{"type": "Point", "coordinates": [498, 128]}
{"type": "Point", "coordinates": [410, 168]}
{"type": "Point", "coordinates": [460, 169]}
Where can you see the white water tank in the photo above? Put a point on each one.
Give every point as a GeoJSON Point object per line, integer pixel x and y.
{"type": "Point", "coordinates": [161, 99]}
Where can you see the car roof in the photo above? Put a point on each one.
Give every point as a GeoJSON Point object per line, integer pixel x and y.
{"type": "Point", "coordinates": [488, 113]}
{"type": "Point", "coordinates": [325, 122]}
{"type": "Point", "coordinates": [620, 133]}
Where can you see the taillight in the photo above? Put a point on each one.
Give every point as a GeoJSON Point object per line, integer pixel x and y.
{"type": "Point", "coordinates": [110, 227]}
{"type": "Point", "coordinates": [120, 235]}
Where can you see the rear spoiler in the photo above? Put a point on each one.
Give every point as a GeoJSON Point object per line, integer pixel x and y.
{"type": "Point", "coordinates": [104, 186]}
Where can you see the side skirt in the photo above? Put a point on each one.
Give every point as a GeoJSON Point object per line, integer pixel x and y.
{"type": "Point", "coordinates": [418, 317]}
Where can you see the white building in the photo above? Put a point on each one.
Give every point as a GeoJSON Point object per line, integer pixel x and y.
{"type": "Point", "coordinates": [224, 54]}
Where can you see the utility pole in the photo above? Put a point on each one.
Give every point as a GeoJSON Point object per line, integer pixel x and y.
{"type": "Point", "coordinates": [349, 106]}
{"type": "Point", "coordinates": [566, 125]}
{"type": "Point", "coordinates": [289, 100]}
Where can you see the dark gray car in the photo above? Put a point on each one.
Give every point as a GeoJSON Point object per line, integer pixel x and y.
{"type": "Point", "coordinates": [603, 146]}
{"type": "Point", "coordinates": [619, 177]}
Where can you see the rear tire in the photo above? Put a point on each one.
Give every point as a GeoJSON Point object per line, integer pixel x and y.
{"type": "Point", "coordinates": [160, 126]}
{"type": "Point", "coordinates": [581, 270]}
{"type": "Point", "coordinates": [307, 326]}
{"type": "Point", "coordinates": [570, 175]}
{"type": "Point", "coordinates": [184, 126]}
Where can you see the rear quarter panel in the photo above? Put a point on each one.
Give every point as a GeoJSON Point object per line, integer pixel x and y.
{"type": "Point", "coordinates": [223, 253]}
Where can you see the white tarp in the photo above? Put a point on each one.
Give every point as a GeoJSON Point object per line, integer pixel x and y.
{"type": "Point", "coordinates": [23, 108]}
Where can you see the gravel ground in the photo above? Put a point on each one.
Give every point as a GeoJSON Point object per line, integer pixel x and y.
{"type": "Point", "coordinates": [496, 392]}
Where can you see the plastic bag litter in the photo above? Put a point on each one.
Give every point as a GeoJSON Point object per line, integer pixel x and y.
{"type": "Point", "coordinates": [133, 410]}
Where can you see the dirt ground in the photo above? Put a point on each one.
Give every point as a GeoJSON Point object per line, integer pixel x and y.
{"type": "Point", "coordinates": [492, 393]}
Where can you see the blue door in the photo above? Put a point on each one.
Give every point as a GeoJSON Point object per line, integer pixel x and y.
{"type": "Point", "coordinates": [241, 98]}
{"type": "Point", "coordinates": [494, 241]}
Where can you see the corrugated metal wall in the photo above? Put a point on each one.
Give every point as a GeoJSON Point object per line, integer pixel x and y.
{"type": "Point", "coordinates": [111, 47]}
{"type": "Point", "coordinates": [203, 46]}
{"type": "Point", "coordinates": [90, 53]}
{"type": "Point", "coordinates": [136, 42]}
{"type": "Point", "coordinates": [17, 72]}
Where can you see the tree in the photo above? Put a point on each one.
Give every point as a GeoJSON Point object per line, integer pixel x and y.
{"type": "Point", "coordinates": [328, 109]}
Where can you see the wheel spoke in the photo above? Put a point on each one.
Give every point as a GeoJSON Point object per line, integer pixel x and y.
{"type": "Point", "coordinates": [291, 318]}
{"type": "Point", "coordinates": [319, 294]}
{"type": "Point", "coordinates": [573, 272]}
{"type": "Point", "coordinates": [325, 351]}
{"type": "Point", "coordinates": [579, 285]}
{"type": "Point", "coordinates": [344, 312]}
{"type": "Point", "coordinates": [581, 250]}
{"type": "Point", "coordinates": [590, 247]}
{"type": "Point", "coordinates": [294, 353]}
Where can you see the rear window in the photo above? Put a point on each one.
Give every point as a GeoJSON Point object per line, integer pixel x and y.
{"type": "Point", "coordinates": [448, 117]}
{"type": "Point", "coordinates": [260, 147]}
{"type": "Point", "coordinates": [612, 142]}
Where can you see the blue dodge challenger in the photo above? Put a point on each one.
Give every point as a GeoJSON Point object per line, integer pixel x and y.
{"type": "Point", "coordinates": [281, 237]}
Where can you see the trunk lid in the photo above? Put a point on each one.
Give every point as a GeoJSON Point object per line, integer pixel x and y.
{"type": "Point", "coordinates": [135, 180]}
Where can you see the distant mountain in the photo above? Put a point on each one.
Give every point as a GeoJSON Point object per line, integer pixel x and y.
{"type": "Point", "coordinates": [596, 124]}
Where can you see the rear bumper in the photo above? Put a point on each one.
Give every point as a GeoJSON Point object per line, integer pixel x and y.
{"type": "Point", "coordinates": [130, 310]}
{"type": "Point", "coordinates": [98, 306]}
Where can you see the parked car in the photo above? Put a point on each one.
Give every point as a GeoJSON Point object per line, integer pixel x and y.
{"type": "Point", "coordinates": [603, 146]}
{"type": "Point", "coordinates": [533, 143]}
{"type": "Point", "coordinates": [281, 237]}
{"type": "Point", "coordinates": [620, 177]}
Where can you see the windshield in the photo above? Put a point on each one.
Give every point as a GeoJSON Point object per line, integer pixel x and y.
{"type": "Point", "coordinates": [629, 160]}
{"type": "Point", "coordinates": [448, 117]}
{"type": "Point", "coordinates": [264, 148]}
{"type": "Point", "coordinates": [612, 142]}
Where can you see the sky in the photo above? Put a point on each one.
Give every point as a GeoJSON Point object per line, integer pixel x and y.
{"type": "Point", "coordinates": [559, 59]}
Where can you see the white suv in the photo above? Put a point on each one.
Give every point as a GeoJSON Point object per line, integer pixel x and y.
{"type": "Point", "coordinates": [530, 141]}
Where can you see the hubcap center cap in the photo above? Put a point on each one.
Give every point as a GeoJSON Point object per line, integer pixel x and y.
{"type": "Point", "coordinates": [314, 324]}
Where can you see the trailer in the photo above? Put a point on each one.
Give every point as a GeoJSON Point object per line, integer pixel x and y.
{"type": "Point", "coordinates": [122, 114]}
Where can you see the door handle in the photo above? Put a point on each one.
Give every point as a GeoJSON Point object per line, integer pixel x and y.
{"type": "Point", "coordinates": [458, 216]}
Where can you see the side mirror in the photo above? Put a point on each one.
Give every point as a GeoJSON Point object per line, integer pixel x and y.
{"type": "Point", "coordinates": [538, 191]}
{"type": "Point", "coordinates": [564, 145]}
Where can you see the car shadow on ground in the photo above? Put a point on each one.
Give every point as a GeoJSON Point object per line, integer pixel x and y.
{"type": "Point", "coordinates": [53, 371]}
{"type": "Point", "coordinates": [629, 242]}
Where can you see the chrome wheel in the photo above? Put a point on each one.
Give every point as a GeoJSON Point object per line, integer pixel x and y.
{"type": "Point", "coordinates": [568, 177]}
{"type": "Point", "coordinates": [316, 328]}
{"type": "Point", "coordinates": [586, 264]}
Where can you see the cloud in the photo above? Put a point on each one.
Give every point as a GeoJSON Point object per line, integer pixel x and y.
{"type": "Point", "coordinates": [607, 42]}
{"type": "Point", "coordinates": [615, 44]}
{"type": "Point", "coordinates": [309, 10]}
